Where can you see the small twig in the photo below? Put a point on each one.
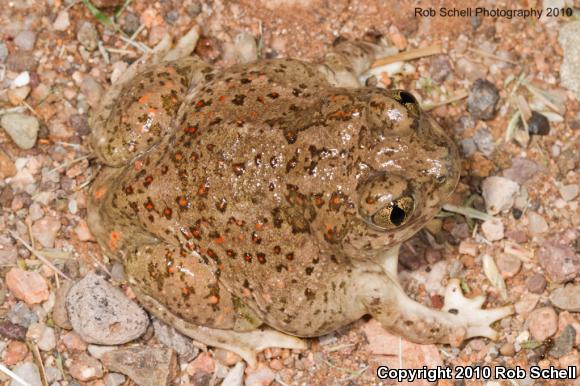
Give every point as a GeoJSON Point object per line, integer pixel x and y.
{"type": "Point", "coordinates": [138, 45]}
{"type": "Point", "coordinates": [492, 56]}
{"type": "Point", "coordinates": [435, 49]}
{"type": "Point", "coordinates": [467, 212]}
{"type": "Point", "coordinates": [38, 360]}
{"type": "Point", "coordinates": [458, 97]}
{"type": "Point", "coordinates": [39, 256]}
{"type": "Point", "coordinates": [13, 375]}
{"type": "Point", "coordinates": [101, 265]}
{"type": "Point", "coordinates": [30, 108]}
{"type": "Point", "coordinates": [69, 163]}
{"type": "Point", "coordinates": [339, 347]}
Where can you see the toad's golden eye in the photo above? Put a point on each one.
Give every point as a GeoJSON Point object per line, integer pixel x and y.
{"type": "Point", "coordinates": [395, 214]}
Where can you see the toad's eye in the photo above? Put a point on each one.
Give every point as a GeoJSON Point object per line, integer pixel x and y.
{"type": "Point", "coordinates": [395, 213]}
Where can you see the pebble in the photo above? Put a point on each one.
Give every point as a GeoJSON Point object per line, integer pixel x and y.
{"type": "Point", "coordinates": [468, 247]}
{"type": "Point", "coordinates": [22, 79]}
{"type": "Point", "coordinates": [182, 345]}
{"type": "Point", "coordinates": [543, 323]}
{"type": "Point", "coordinates": [559, 261]}
{"type": "Point", "coordinates": [484, 141]}
{"type": "Point", "coordinates": [569, 39]}
{"type": "Point", "coordinates": [538, 124]}
{"type": "Point", "coordinates": [43, 335]}
{"type": "Point", "coordinates": [114, 379]}
{"type": "Point", "coordinates": [245, 47]}
{"type": "Point", "coordinates": [536, 283]}
{"type": "Point", "coordinates": [569, 192]}
{"type": "Point", "coordinates": [567, 298]}
{"type": "Point", "coordinates": [52, 375]}
{"type": "Point", "coordinates": [226, 357]}
{"type": "Point", "coordinates": [22, 128]}
{"type": "Point", "coordinates": [508, 265]}
{"type": "Point", "coordinates": [10, 330]}
{"type": "Point", "coordinates": [440, 68]}
{"type": "Point", "coordinates": [28, 286]}
{"type": "Point", "coordinates": [21, 61]}
{"type": "Point", "coordinates": [262, 375]}
{"type": "Point", "coordinates": [202, 367]}
{"type": "Point", "coordinates": [468, 147]}
{"type": "Point", "coordinates": [92, 90]}
{"type": "Point", "coordinates": [21, 315]}
{"type": "Point", "coordinates": [146, 366]}
{"type": "Point", "coordinates": [83, 232]}
{"type": "Point", "coordinates": [62, 21]}
{"type": "Point", "coordinates": [526, 304]}
{"type": "Point", "coordinates": [470, 70]}
{"type": "Point", "coordinates": [98, 351]}
{"type": "Point", "coordinates": [101, 313]}
{"type": "Point", "coordinates": [14, 352]}
{"type": "Point", "coordinates": [564, 342]}
{"type": "Point", "coordinates": [28, 371]}
{"type": "Point", "coordinates": [85, 368]}
{"type": "Point", "coordinates": [130, 23]}
{"type": "Point", "coordinates": [59, 312]}
{"type": "Point", "coordinates": [522, 169]}
{"type": "Point", "coordinates": [3, 52]}
{"type": "Point", "coordinates": [17, 95]}
{"type": "Point", "coordinates": [235, 376]}
{"type": "Point", "coordinates": [73, 341]}
{"type": "Point", "coordinates": [493, 229]}
{"type": "Point", "coordinates": [25, 40]}
{"type": "Point", "coordinates": [7, 168]}
{"type": "Point", "coordinates": [88, 36]}
{"type": "Point", "coordinates": [507, 349]}
{"type": "Point", "coordinates": [482, 100]}
{"type": "Point", "coordinates": [498, 193]}
{"type": "Point", "coordinates": [45, 230]}
{"type": "Point", "coordinates": [536, 224]}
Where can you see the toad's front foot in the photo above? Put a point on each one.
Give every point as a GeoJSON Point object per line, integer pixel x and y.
{"type": "Point", "coordinates": [460, 318]}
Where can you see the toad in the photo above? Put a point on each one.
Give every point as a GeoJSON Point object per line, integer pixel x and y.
{"type": "Point", "coordinates": [265, 202]}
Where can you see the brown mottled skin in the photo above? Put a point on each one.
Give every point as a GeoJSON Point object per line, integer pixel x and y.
{"type": "Point", "coordinates": [246, 196]}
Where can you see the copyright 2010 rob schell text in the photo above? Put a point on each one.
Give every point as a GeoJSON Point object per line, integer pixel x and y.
{"type": "Point", "coordinates": [476, 372]}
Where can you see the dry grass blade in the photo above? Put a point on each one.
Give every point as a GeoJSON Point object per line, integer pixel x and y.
{"type": "Point", "coordinates": [69, 163]}
{"type": "Point", "coordinates": [492, 273]}
{"type": "Point", "coordinates": [39, 256]}
{"type": "Point", "coordinates": [458, 97]}
{"type": "Point", "coordinates": [13, 375]}
{"type": "Point", "coordinates": [38, 360]}
{"type": "Point", "coordinates": [492, 56]}
{"type": "Point", "coordinates": [467, 212]}
{"type": "Point", "coordinates": [409, 55]}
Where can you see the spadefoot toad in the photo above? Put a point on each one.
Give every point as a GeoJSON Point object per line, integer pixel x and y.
{"type": "Point", "coordinates": [267, 201]}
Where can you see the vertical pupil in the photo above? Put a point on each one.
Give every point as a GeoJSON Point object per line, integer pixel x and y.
{"type": "Point", "coordinates": [397, 215]}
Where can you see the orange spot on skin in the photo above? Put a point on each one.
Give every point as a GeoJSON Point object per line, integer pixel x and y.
{"type": "Point", "coordinates": [241, 237]}
{"type": "Point", "coordinates": [170, 269]}
{"type": "Point", "coordinates": [220, 240]}
{"type": "Point", "coordinates": [138, 165]}
{"type": "Point", "coordinates": [182, 201]}
{"type": "Point", "coordinates": [185, 291]}
{"type": "Point", "coordinates": [280, 284]}
{"type": "Point", "coordinates": [144, 98]}
{"type": "Point", "coordinates": [246, 292]}
{"type": "Point", "coordinates": [113, 240]}
{"type": "Point", "coordinates": [336, 200]}
{"type": "Point", "coordinates": [259, 226]}
{"type": "Point", "coordinates": [152, 111]}
{"type": "Point", "coordinates": [214, 299]}
{"type": "Point", "coordinates": [100, 193]}
{"type": "Point", "coordinates": [254, 114]}
{"type": "Point", "coordinates": [222, 98]}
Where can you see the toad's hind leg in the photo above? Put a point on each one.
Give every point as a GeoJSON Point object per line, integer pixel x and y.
{"type": "Point", "coordinates": [139, 108]}
{"type": "Point", "coordinates": [178, 287]}
{"type": "Point", "coordinates": [348, 60]}
{"type": "Point", "coordinates": [246, 344]}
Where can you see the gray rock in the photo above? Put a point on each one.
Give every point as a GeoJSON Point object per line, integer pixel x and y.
{"type": "Point", "coordinates": [22, 128]}
{"type": "Point", "coordinates": [538, 124]}
{"type": "Point", "coordinates": [62, 21]}
{"type": "Point", "coordinates": [100, 313]}
{"type": "Point", "coordinates": [114, 379]}
{"type": "Point", "coordinates": [440, 68]}
{"type": "Point", "coordinates": [28, 372]}
{"type": "Point", "coordinates": [522, 169]}
{"type": "Point", "coordinates": [3, 52]}
{"type": "Point", "coordinates": [536, 223]}
{"type": "Point", "coordinates": [484, 141]}
{"type": "Point", "coordinates": [146, 366]}
{"type": "Point", "coordinates": [564, 342]}
{"type": "Point", "coordinates": [59, 312]}
{"type": "Point", "coordinates": [88, 36]}
{"type": "Point", "coordinates": [567, 298]}
{"type": "Point", "coordinates": [498, 193]}
{"type": "Point", "coordinates": [468, 147]}
{"type": "Point", "coordinates": [569, 192]}
{"type": "Point", "coordinates": [182, 345]}
{"type": "Point", "coordinates": [25, 40]}
{"type": "Point", "coordinates": [52, 374]}
{"type": "Point", "coordinates": [21, 315]}
{"type": "Point", "coordinates": [482, 100]}
{"type": "Point", "coordinates": [235, 376]}
{"type": "Point", "coordinates": [559, 261]}
{"type": "Point", "coordinates": [569, 39]}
